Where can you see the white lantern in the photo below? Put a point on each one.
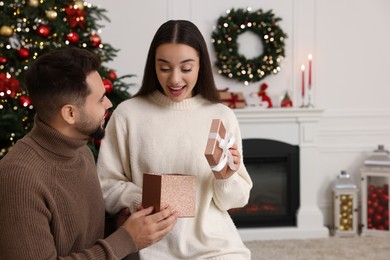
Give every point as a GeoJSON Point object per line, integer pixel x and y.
{"type": "Point", "coordinates": [345, 202]}
{"type": "Point", "coordinates": [375, 181]}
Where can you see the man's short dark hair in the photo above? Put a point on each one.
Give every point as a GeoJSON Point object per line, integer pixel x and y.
{"type": "Point", "coordinates": [58, 78]}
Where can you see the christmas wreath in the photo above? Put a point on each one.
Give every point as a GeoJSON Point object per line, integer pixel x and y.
{"type": "Point", "coordinates": [230, 62]}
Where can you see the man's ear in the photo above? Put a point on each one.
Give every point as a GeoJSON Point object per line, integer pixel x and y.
{"type": "Point", "coordinates": [68, 113]}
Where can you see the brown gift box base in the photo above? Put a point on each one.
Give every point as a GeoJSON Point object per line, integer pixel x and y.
{"type": "Point", "coordinates": [213, 153]}
{"type": "Point", "coordinates": [177, 190]}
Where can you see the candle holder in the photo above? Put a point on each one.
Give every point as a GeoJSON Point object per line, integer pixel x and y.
{"type": "Point", "coordinates": [310, 98]}
{"type": "Point", "coordinates": [302, 101]}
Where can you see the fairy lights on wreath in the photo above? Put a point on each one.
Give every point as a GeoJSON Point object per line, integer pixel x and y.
{"type": "Point", "coordinates": [230, 62]}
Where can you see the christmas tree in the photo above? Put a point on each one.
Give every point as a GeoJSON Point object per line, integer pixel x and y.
{"type": "Point", "coordinates": [29, 28]}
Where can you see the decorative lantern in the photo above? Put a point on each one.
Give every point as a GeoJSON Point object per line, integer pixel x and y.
{"type": "Point", "coordinates": [345, 206]}
{"type": "Point", "coordinates": [375, 177]}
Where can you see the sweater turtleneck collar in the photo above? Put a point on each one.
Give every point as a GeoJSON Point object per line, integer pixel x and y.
{"type": "Point", "coordinates": [187, 104]}
{"type": "Point", "coordinates": [54, 141]}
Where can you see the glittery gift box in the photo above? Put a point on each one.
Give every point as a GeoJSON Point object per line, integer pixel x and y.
{"type": "Point", "coordinates": [177, 190]}
{"type": "Point", "coordinates": [213, 152]}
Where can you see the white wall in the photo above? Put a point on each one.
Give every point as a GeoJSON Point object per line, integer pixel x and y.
{"type": "Point", "coordinates": [349, 41]}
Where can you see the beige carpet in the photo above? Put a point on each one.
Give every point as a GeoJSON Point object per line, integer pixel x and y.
{"type": "Point", "coordinates": [333, 248]}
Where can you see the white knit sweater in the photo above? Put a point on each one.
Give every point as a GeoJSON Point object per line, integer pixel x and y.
{"type": "Point", "coordinates": [155, 134]}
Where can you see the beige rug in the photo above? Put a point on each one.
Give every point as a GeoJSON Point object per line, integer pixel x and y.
{"type": "Point", "coordinates": [333, 248]}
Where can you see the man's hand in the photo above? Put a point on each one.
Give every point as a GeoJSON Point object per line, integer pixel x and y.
{"type": "Point", "coordinates": [148, 229]}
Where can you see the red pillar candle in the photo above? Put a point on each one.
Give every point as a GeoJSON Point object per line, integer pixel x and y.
{"type": "Point", "coordinates": [310, 58]}
{"type": "Point", "coordinates": [303, 80]}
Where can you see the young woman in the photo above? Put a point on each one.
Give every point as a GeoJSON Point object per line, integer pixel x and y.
{"type": "Point", "coordinates": [164, 129]}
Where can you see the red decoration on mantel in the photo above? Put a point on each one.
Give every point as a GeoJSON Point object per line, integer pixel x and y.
{"type": "Point", "coordinates": [263, 95]}
{"type": "Point", "coordinates": [232, 99]}
{"type": "Point", "coordinates": [286, 101]}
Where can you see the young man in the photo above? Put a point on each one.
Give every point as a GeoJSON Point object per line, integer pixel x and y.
{"type": "Point", "coordinates": [51, 204]}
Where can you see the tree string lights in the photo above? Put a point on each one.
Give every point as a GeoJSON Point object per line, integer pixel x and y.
{"type": "Point", "coordinates": [29, 28]}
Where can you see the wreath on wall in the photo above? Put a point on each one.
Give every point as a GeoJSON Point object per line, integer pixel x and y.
{"type": "Point", "coordinates": [230, 62]}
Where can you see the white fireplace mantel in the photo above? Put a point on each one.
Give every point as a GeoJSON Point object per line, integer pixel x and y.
{"type": "Point", "coordinates": [296, 126]}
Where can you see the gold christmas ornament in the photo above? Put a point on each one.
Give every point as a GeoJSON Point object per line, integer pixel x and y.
{"type": "Point", "coordinates": [6, 31]}
{"type": "Point", "coordinates": [80, 5]}
{"type": "Point", "coordinates": [33, 3]}
{"type": "Point", "coordinates": [51, 14]}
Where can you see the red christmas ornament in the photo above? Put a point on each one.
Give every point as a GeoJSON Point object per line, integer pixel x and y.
{"type": "Point", "coordinates": [43, 31]}
{"type": "Point", "coordinates": [384, 199]}
{"type": "Point", "coordinates": [378, 218]}
{"type": "Point", "coordinates": [95, 40]}
{"type": "Point", "coordinates": [73, 38]}
{"type": "Point", "coordinates": [369, 225]}
{"type": "Point", "coordinates": [23, 53]}
{"type": "Point", "coordinates": [24, 101]}
{"type": "Point", "coordinates": [370, 211]}
{"type": "Point", "coordinates": [3, 60]}
{"type": "Point", "coordinates": [112, 75]}
{"type": "Point", "coordinates": [286, 102]}
{"type": "Point", "coordinates": [108, 85]}
{"type": "Point", "coordinates": [108, 115]}
{"type": "Point", "coordinates": [373, 195]}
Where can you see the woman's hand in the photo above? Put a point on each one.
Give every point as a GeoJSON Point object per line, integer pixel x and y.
{"type": "Point", "coordinates": [236, 159]}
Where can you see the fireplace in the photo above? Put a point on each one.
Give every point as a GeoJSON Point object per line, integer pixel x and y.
{"type": "Point", "coordinates": [296, 127]}
{"type": "Point", "coordinates": [274, 170]}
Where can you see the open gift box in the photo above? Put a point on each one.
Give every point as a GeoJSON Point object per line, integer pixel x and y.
{"type": "Point", "coordinates": [217, 149]}
{"type": "Point", "coordinates": [177, 190]}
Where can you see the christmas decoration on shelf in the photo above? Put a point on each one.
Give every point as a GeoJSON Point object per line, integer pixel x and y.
{"type": "Point", "coordinates": [259, 98]}
{"type": "Point", "coordinates": [230, 62]}
{"type": "Point", "coordinates": [303, 88]}
{"type": "Point", "coordinates": [310, 90]}
{"type": "Point", "coordinates": [30, 28]}
{"type": "Point", "coordinates": [232, 99]}
{"type": "Point", "coordinates": [265, 99]}
{"type": "Point", "coordinates": [286, 101]}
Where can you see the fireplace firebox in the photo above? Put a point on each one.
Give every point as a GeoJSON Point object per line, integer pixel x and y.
{"type": "Point", "coordinates": [274, 198]}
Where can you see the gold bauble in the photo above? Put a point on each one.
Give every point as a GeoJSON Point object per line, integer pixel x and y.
{"type": "Point", "coordinates": [80, 5]}
{"type": "Point", "coordinates": [6, 31]}
{"type": "Point", "coordinates": [33, 3]}
{"type": "Point", "coordinates": [51, 14]}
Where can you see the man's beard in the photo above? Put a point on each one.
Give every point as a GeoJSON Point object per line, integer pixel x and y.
{"type": "Point", "coordinates": [85, 127]}
{"type": "Point", "coordinates": [98, 134]}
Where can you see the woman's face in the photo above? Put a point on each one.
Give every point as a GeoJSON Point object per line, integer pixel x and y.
{"type": "Point", "coordinates": [177, 68]}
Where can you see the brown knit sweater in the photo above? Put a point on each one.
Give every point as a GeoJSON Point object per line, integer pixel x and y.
{"type": "Point", "coordinates": [51, 204]}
